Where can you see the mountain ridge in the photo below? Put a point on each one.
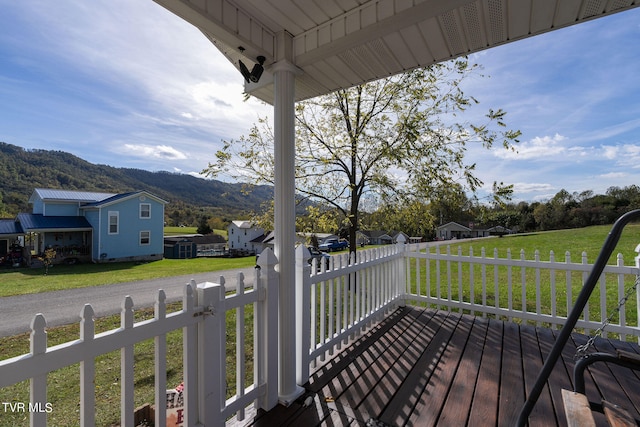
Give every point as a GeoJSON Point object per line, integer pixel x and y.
{"type": "Point", "coordinates": [22, 170]}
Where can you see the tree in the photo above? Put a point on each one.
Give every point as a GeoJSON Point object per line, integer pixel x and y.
{"type": "Point", "coordinates": [203, 226]}
{"type": "Point", "coordinates": [394, 141]}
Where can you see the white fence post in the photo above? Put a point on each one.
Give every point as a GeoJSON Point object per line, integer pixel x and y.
{"type": "Point", "coordinates": [126, 367]}
{"type": "Point", "coordinates": [400, 290]}
{"type": "Point", "coordinates": [190, 359]}
{"type": "Point", "coordinates": [266, 329]}
{"type": "Point", "coordinates": [160, 368]}
{"type": "Point", "coordinates": [303, 320]}
{"type": "Point", "coordinates": [87, 370]}
{"type": "Point", "coordinates": [211, 354]}
{"type": "Point", "coordinates": [38, 385]}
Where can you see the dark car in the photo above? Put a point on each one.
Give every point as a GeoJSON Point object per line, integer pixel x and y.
{"type": "Point", "coordinates": [322, 257]}
{"type": "Point", "coordinates": [333, 245]}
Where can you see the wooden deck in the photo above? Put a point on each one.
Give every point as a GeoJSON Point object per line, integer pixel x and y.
{"type": "Point", "coordinates": [427, 367]}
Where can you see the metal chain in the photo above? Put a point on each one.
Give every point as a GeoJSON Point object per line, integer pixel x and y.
{"type": "Point", "coordinates": [581, 351]}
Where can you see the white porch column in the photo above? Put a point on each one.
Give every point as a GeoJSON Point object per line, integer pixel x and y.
{"type": "Point", "coordinates": [285, 215]}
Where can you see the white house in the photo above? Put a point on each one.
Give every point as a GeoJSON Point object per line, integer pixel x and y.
{"type": "Point", "coordinates": [244, 236]}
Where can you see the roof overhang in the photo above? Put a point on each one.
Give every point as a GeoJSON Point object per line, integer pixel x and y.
{"type": "Point", "coordinates": [52, 224]}
{"type": "Point", "coordinates": [339, 44]}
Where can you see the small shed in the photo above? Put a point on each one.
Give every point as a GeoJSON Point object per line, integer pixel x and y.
{"type": "Point", "coordinates": [180, 247]}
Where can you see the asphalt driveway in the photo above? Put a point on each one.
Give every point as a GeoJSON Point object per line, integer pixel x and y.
{"type": "Point", "coordinates": [64, 307]}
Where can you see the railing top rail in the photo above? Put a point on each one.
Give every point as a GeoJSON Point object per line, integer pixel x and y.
{"type": "Point", "coordinates": [565, 264]}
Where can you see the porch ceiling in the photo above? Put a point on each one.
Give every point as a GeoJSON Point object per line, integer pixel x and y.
{"type": "Point", "coordinates": [341, 43]}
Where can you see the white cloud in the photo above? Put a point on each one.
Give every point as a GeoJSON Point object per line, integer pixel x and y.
{"type": "Point", "coordinates": [531, 187]}
{"type": "Point", "coordinates": [624, 155]}
{"type": "Point", "coordinates": [155, 151]}
{"type": "Point", "coordinates": [538, 147]}
{"type": "Point", "coordinates": [610, 152]}
{"type": "Point", "coordinates": [197, 175]}
{"type": "Point", "coordinates": [613, 175]}
{"type": "Point", "coordinates": [171, 71]}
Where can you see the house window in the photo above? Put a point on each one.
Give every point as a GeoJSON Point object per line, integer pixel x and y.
{"type": "Point", "coordinates": [145, 210]}
{"type": "Point", "coordinates": [145, 237]}
{"type": "Point", "coordinates": [114, 221]}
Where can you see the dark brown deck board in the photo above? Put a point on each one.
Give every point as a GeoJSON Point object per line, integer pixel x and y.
{"type": "Point", "coordinates": [511, 385]}
{"type": "Point", "coordinates": [425, 367]}
{"type": "Point", "coordinates": [560, 376]}
{"type": "Point", "coordinates": [367, 370]}
{"type": "Point", "coordinates": [392, 387]}
{"type": "Point", "coordinates": [532, 366]}
{"type": "Point", "coordinates": [408, 395]}
{"type": "Point", "coordinates": [428, 410]}
{"type": "Point", "coordinates": [456, 409]}
{"type": "Point", "coordinates": [484, 408]}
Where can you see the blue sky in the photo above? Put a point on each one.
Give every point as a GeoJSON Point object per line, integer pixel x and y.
{"type": "Point", "coordinates": [128, 84]}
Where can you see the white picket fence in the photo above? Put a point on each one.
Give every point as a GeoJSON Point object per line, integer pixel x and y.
{"type": "Point", "coordinates": [202, 320]}
{"type": "Point", "coordinates": [523, 288]}
{"type": "Point", "coordinates": [338, 303]}
{"type": "Point", "coordinates": [334, 306]}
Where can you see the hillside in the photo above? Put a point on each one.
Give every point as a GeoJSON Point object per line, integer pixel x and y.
{"type": "Point", "coordinates": [23, 170]}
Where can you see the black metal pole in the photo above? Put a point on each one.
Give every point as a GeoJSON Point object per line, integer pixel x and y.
{"type": "Point", "coordinates": [601, 262]}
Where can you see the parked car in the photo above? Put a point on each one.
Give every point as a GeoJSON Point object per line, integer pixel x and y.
{"type": "Point", "coordinates": [322, 257]}
{"type": "Point", "coordinates": [333, 245]}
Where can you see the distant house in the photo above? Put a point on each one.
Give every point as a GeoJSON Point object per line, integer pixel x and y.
{"type": "Point", "coordinates": [244, 236]}
{"type": "Point", "coordinates": [399, 236]}
{"type": "Point", "coordinates": [379, 237]}
{"type": "Point", "coordinates": [453, 230]}
{"type": "Point", "coordinates": [498, 230]}
{"type": "Point", "coordinates": [100, 227]}
{"type": "Point", "coordinates": [11, 242]}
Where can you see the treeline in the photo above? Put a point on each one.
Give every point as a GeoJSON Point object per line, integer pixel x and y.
{"type": "Point", "coordinates": [567, 210]}
{"type": "Point", "coordinates": [562, 211]}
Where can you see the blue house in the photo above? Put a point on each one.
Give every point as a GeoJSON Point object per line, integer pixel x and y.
{"type": "Point", "coordinates": [100, 227]}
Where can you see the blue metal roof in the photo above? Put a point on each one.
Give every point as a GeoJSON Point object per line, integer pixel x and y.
{"type": "Point", "coordinates": [117, 197]}
{"type": "Point", "coordinates": [111, 199]}
{"type": "Point", "coordinates": [10, 226]}
{"type": "Point", "coordinates": [70, 196]}
{"type": "Point", "coordinates": [37, 222]}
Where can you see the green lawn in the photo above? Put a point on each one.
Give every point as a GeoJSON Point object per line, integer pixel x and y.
{"type": "Point", "coordinates": [177, 231]}
{"type": "Point", "coordinates": [576, 241]}
{"type": "Point", "coordinates": [33, 280]}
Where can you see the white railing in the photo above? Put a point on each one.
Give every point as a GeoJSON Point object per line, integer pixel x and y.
{"type": "Point", "coordinates": [338, 302]}
{"type": "Point", "coordinates": [531, 290]}
{"type": "Point", "coordinates": [341, 301]}
{"type": "Point", "coordinates": [202, 320]}
{"type": "Point", "coordinates": [334, 305]}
